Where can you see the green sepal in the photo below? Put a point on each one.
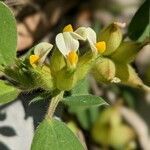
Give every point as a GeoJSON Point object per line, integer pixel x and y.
{"type": "Point", "coordinates": [126, 52]}
{"type": "Point", "coordinates": [43, 77]}
{"type": "Point", "coordinates": [84, 65]}
{"type": "Point", "coordinates": [57, 61]}
{"type": "Point", "coordinates": [135, 81]}
{"type": "Point", "coordinates": [65, 79]}
{"type": "Point", "coordinates": [122, 71]}
{"type": "Point", "coordinates": [128, 76]}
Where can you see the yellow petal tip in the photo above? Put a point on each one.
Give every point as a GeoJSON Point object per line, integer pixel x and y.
{"type": "Point", "coordinates": [101, 46]}
{"type": "Point", "coordinates": [68, 28]}
{"type": "Point", "coordinates": [72, 57]}
{"type": "Point", "coordinates": [33, 59]}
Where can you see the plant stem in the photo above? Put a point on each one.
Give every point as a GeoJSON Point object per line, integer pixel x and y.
{"type": "Point", "coordinates": [53, 105]}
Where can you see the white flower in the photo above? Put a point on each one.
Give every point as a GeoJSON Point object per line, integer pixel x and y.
{"type": "Point", "coordinates": [83, 33]}
{"type": "Point", "coordinates": [40, 53]}
{"type": "Point", "coordinates": [77, 34]}
{"type": "Point", "coordinates": [90, 35]}
{"type": "Point", "coordinates": [68, 46]}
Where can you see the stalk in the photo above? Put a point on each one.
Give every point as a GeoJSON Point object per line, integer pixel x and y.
{"type": "Point", "coordinates": [53, 105]}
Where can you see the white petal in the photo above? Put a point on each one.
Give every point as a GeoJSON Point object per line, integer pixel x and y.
{"type": "Point", "coordinates": [66, 43]}
{"type": "Point", "coordinates": [92, 45]}
{"type": "Point", "coordinates": [42, 50]}
{"type": "Point", "coordinates": [80, 33]}
{"type": "Point", "coordinates": [60, 42]}
{"type": "Point", "coordinates": [91, 35]}
{"type": "Point", "coordinates": [77, 36]}
{"type": "Point", "coordinates": [71, 43]}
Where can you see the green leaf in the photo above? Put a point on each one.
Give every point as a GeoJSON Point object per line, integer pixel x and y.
{"type": "Point", "coordinates": [81, 88]}
{"type": "Point", "coordinates": [85, 116]}
{"type": "Point", "coordinates": [55, 135]}
{"type": "Point", "coordinates": [139, 21]}
{"type": "Point", "coordinates": [146, 34]}
{"type": "Point", "coordinates": [84, 101]}
{"type": "Point", "coordinates": [7, 92]}
{"type": "Point", "coordinates": [126, 52]}
{"type": "Point", "coordinates": [8, 35]}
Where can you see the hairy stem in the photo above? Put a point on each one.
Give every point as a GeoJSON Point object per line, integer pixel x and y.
{"type": "Point", "coordinates": [53, 105]}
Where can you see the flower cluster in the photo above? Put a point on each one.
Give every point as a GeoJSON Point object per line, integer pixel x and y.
{"type": "Point", "coordinates": [68, 44]}
{"type": "Point", "coordinates": [67, 64]}
{"type": "Point", "coordinates": [61, 66]}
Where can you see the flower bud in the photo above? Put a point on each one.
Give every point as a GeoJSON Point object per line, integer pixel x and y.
{"type": "Point", "coordinates": [108, 127]}
{"type": "Point", "coordinates": [20, 76]}
{"type": "Point", "coordinates": [108, 119]}
{"type": "Point", "coordinates": [128, 76]}
{"type": "Point", "coordinates": [135, 81]}
{"type": "Point", "coordinates": [120, 142]}
{"type": "Point", "coordinates": [112, 35]}
{"type": "Point", "coordinates": [104, 70]}
{"type": "Point", "coordinates": [28, 78]}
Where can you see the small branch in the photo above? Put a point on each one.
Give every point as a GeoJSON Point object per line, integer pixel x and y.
{"type": "Point", "coordinates": [53, 105]}
{"type": "Point", "coordinates": [96, 90]}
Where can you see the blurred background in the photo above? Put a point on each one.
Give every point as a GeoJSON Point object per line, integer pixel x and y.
{"type": "Point", "coordinates": [125, 124]}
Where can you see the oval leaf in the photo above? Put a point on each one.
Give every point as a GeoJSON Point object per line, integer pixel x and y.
{"type": "Point", "coordinates": [55, 135]}
{"type": "Point", "coordinates": [136, 27]}
{"type": "Point", "coordinates": [81, 88]}
{"type": "Point", "coordinates": [84, 101]}
{"type": "Point", "coordinates": [8, 35]}
{"type": "Point", "coordinates": [7, 93]}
